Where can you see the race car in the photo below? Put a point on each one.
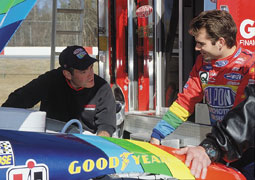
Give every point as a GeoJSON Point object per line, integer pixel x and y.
{"type": "Point", "coordinates": [56, 156]}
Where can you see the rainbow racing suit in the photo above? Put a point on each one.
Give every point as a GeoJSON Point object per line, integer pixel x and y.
{"type": "Point", "coordinates": [221, 82]}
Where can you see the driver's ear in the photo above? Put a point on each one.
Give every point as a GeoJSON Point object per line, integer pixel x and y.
{"type": "Point", "coordinates": [67, 74]}
{"type": "Point", "coordinates": [221, 43]}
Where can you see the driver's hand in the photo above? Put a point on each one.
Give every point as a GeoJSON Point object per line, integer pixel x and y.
{"type": "Point", "coordinates": [103, 133]}
{"type": "Point", "coordinates": [197, 158]}
{"type": "Point", "coordinates": [155, 141]}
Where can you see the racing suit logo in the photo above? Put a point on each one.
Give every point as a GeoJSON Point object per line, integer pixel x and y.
{"type": "Point", "coordinates": [221, 63]}
{"type": "Point", "coordinates": [233, 76]}
{"type": "Point", "coordinates": [220, 100]}
{"type": "Point", "coordinates": [204, 76]}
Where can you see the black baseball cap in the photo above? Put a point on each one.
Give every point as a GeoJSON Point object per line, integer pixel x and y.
{"type": "Point", "coordinates": [75, 57]}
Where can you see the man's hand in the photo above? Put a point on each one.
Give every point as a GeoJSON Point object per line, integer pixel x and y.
{"type": "Point", "coordinates": [197, 158]}
{"type": "Point", "coordinates": [155, 141]}
{"type": "Point", "coordinates": [103, 133]}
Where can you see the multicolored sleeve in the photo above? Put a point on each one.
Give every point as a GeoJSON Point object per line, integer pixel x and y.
{"type": "Point", "coordinates": [183, 107]}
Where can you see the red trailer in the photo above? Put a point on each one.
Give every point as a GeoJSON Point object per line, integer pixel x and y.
{"type": "Point", "coordinates": [243, 13]}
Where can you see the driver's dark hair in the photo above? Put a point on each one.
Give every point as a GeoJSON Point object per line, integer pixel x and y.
{"type": "Point", "coordinates": [218, 23]}
{"type": "Point", "coordinates": [69, 69]}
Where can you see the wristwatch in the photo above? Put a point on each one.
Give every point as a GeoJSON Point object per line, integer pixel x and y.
{"type": "Point", "coordinates": [211, 151]}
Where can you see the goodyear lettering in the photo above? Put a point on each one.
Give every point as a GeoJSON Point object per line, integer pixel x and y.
{"type": "Point", "coordinates": [6, 160]}
{"type": "Point", "coordinates": [75, 167]}
{"type": "Point", "coordinates": [145, 159]}
{"type": "Point", "coordinates": [88, 165]}
{"type": "Point", "coordinates": [113, 162]}
{"type": "Point", "coordinates": [219, 96]}
{"type": "Point", "coordinates": [101, 163]}
{"type": "Point", "coordinates": [250, 28]}
{"type": "Point", "coordinates": [155, 159]}
{"type": "Point", "coordinates": [136, 158]}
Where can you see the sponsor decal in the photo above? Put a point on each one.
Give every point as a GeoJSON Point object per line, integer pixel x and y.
{"type": "Point", "coordinates": [219, 97]}
{"type": "Point", "coordinates": [235, 68]}
{"type": "Point", "coordinates": [204, 76]}
{"type": "Point", "coordinates": [239, 61]}
{"type": "Point", "coordinates": [217, 114]}
{"type": "Point", "coordinates": [6, 154]}
{"type": "Point", "coordinates": [211, 79]}
{"type": "Point", "coordinates": [79, 53]}
{"type": "Point", "coordinates": [233, 83]}
{"type": "Point", "coordinates": [221, 63]}
{"type": "Point", "coordinates": [89, 107]}
{"type": "Point", "coordinates": [207, 67]}
{"type": "Point", "coordinates": [233, 76]}
{"type": "Point", "coordinates": [144, 11]}
{"type": "Point", "coordinates": [30, 171]}
{"type": "Point", "coordinates": [76, 167]}
{"type": "Point", "coordinates": [251, 81]}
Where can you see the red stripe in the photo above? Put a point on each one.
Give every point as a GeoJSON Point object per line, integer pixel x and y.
{"type": "Point", "coordinates": [2, 53]}
{"type": "Point", "coordinates": [70, 85]}
{"type": "Point", "coordinates": [90, 106]}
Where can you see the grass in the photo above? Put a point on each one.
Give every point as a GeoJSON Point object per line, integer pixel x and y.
{"type": "Point", "coordinates": [16, 72]}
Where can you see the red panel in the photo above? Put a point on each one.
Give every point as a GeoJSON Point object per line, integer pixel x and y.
{"type": "Point", "coordinates": [244, 15]}
{"type": "Point", "coordinates": [143, 60]}
{"type": "Point", "coordinates": [215, 171]}
{"type": "Point", "coordinates": [121, 59]}
{"type": "Point", "coordinates": [17, 177]}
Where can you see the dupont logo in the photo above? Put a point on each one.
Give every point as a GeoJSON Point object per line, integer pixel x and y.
{"type": "Point", "coordinates": [30, 171]}
{"type": "Point", "coordinates": [233, 76]}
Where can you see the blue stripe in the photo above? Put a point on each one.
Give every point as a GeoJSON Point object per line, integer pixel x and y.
{"type": "Point", "coordinates": [112, 150]}
{"type": "Point", "coordinates": [7, 32]}
{"type": "Point", "coordinates": [18, 12]}
{"type": "Point", "coordinates": [164, 128]}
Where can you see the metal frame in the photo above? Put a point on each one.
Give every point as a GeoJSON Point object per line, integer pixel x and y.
{"type": "Point", "coordinates": [158, 56]}
{"type": "Point", "coordinates": [180, 45]}
{"type": "Point", "coordinates": [132, 88]}
{"type": "Point", "coordinates": [103, 56]}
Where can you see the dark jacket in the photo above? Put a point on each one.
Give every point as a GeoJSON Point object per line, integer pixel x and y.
{"type": "Point", "coordinates": [233, 138]}
{"type": "Point", "coordinates": [95, 106]}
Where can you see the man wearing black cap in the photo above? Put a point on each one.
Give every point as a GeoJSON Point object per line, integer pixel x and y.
{"type": "Point", "coordinates": [72, 91]}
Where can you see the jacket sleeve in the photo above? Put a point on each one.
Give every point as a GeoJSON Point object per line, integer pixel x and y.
{"type": "Point", "coordinates": [235, 134]}
{"type": "Point", "coordinates": [30, 94]}
{"type": "Point", "coordinates": [106, 110]}
{"type": "Point", "coordinates": [183, 107]}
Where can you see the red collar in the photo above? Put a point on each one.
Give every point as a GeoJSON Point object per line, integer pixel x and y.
{"type": "Point", "coordinates": [70, 85]}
